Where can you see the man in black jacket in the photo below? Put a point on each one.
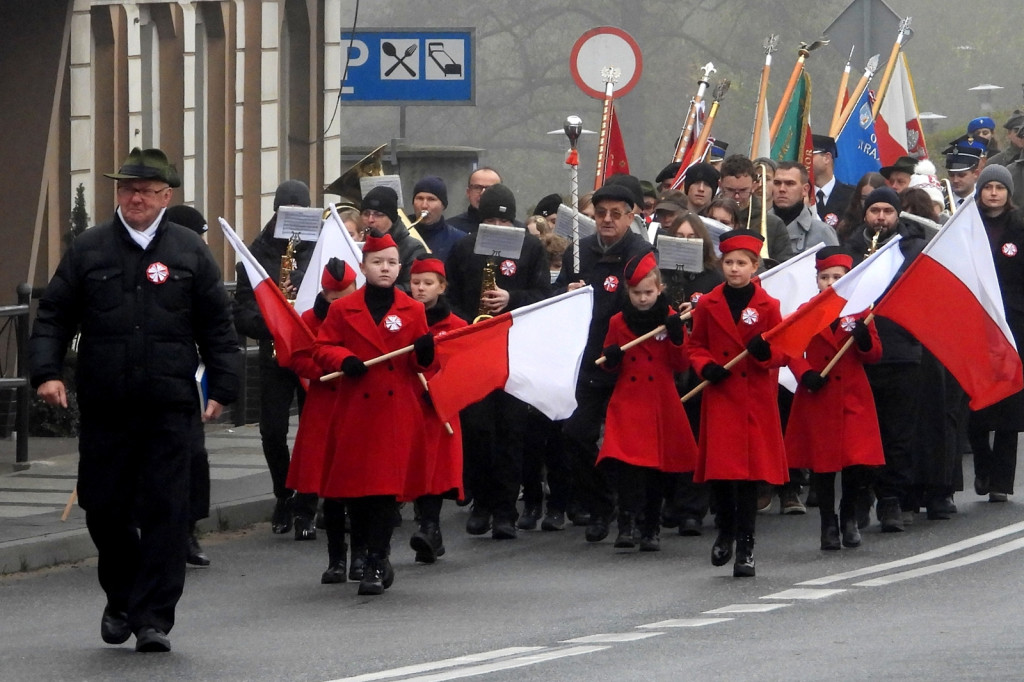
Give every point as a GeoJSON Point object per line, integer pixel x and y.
{"type": "Point", "coordinates": [148, 301]}
{"type": "Point", "coordinates": [603, 257]}
{"type": "Point", "coordinates": [278, 385]}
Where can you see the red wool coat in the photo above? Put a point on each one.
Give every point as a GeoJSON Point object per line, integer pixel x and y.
{"type": "Point", "coordinates": [437, 469]}
{"type": "Point", "coordinates": [740, 430]}
{"type": "Point", "coordinates": [307, 463]}
{"type": "Point", "coordinates": [377, 423]}
{"type": "Point", "coordinates": [836, 426]}
{"type": "Point", "coordinates": [646, 424]}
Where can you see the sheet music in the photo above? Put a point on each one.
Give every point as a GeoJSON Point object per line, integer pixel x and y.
{"type": "Point", "coordinates": [680, 253]}
{"type": "Point", "coordinates": [304, 222]}
{"type": "Point", "coordinates": [500, 242]}
{"type": "Point", "coordinates": [368, 182]}
{"type": "Point", "coordinates": [563, 226]}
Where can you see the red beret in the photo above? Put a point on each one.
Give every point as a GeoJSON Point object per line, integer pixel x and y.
{"type": "Point", "coordinates": [740, 239]}
{"type": "Point", "coordinates": [337, 276]}
{"type": "Point", "coordinates": [830, 257]}
{"type": "Point", "coordinates": [421, 265]}
{"type": "Point", "coordinates": [638, 268]}
{"type": "Point", "coordinates": [375, 241]}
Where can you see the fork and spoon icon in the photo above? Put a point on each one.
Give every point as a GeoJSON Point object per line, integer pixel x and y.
{"type": "Point", "coordinates": [390, 50]}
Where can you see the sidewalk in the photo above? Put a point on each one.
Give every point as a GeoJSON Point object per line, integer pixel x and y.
{"type": "Point", "coordinates": [32, 498]}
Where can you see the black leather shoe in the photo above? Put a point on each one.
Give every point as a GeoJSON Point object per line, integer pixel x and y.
{"type": "Point", "coordinates": [195, 554]}
{"type": "Point", "coordinates": [851, 533]}
{"type": "Point", "coordinates": [597, 530]}
{"type": "Point", "coordinates": [830, 534]}
{"type": "Point", "coordinates": [151, 640]}
{"type": "Point", "coordinates": [981, 485]}
{"type": "Point", "coordinates": [355, 570]}
{"type": "Point", "coordinates": [114, 628]}
{"type": "Point", "coordinates": [690, 527]}
{"type": "Point", "coordinates": [334, 574]}
{"type": "Point", "coordinates": [721, 551]}
{"type": "Point", "coordinates": [281, 520]}
{"type": "Point", "coordinates": [937, 509]}
{"type": "Point", "coordinates": [553, 520]}
{"type": "Point", "coordinates": [305, 528]}
{"type": "Point", "coordinates": [626, 539]}
{"type": "Point", "coordinates": [744, 566]}
{"type": "Point", "coordinates": [427, 543]}
{"type": "Point", "coordinates": [504, 529]}
{"type": "Point", "coordinates": [529, 519]}
{"type": "Point", "coordinates": [373, 577]}
{"type": "Point", "coordinates": [479, 521]}
{"type": "Point", "coordinates": [650, 542]}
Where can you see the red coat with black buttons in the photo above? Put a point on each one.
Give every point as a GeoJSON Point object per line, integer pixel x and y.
{"type": "Point", "coordinates": [740, 430]}
{"type": "Point", "coordinates": [837, 425]}
{"type": "Point", "coordinates": [646, 424]}
{"type": "Point", "coordinates": [377, 423]}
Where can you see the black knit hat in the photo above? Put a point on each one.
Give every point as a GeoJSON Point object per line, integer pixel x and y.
{"type": "Point", "coordinates": [383, 199]}
{"type": "Point", "coordinates": [548, 205]}
{"type": "Point", "coordinates": [668, 172]}
{"type": "Point", "coordinates": [497, 201]}
{"type": "Point", "coordinates": [884, 195]}
{"type": "Point", "coordinates": [291, 193]}
{"type": "Point", "coordinates": [432, 185]}
{"type": "Point", "coordinates": [701, 172]}
{"type": "Point", "coordinates": [186, 216]}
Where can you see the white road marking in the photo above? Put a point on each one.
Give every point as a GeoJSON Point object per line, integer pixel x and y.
{"type": "Point", "coordinates": [989, 553]}
{"type": "Point", "coordinates": [919, 558]}
{"type": "Point", "coordinates": [612, 638]}
{"type": "Point", "coordinates": [748, 608]}
{"type": "Point", "coordinates": [685, 623]}
{"type": "Point", "coordinates": [802, 593]}
{"type": "Point", "coordinates": [520, 662]}
{"type": "Point", "coordinates": [17, 512]}
{"type": "Point", "coordinates": [437, 665]}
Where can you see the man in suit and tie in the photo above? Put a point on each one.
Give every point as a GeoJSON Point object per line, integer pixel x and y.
{"type": "Point", "coordinates": [832, 196]}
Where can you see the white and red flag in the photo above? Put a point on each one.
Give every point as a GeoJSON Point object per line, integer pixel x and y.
{"type": "Point", "coordinates": [897, 125]}
{"type": "Point", "coordinates": [334, 242]}
{"type": "Point", "coordinates": [949, 299]}
{"type": "Point", "coordinates": [532, 353]}
{"type": "Point", "coordinates": [852, 294]}
{"type": "Point", "coordinates": [290, 332]}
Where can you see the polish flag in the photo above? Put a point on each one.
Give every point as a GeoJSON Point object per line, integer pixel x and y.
{"type": "Point", "coordinates": [290, 332]}
{"type": "Point", "coordinates": [616, 161]}
{"type": "Point", "coordinates": [853, 293]}
{"type": "Point", "coordinates": [949, 299]}
{"type": "Point", "coordinates": [897, 126]}
{"type": "Point", "coordinates": [532, 353]}
{"type": "Point", "coordinates": [334, 242]}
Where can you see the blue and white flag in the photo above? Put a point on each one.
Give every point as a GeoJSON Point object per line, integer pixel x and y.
{"type": "Point", "coordinates": [857, 145]}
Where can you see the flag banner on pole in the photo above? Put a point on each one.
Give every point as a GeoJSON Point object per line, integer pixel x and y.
{"type": "Point", "coordinates": [854, 292]}
{"type": "Point", "coordinates": [290, 332]}
{"type": "Point", "coordinates": [912, 114]}
{"type": "Point", "coordinates": [857, 145]}
{"type": "Point", "coordinates": [334, 242]}
{"type": "Point", "coordinates": [617, 161]}
{"type": "Point", "coordinates": [764, 140]}
{"type": "Point", "coordinates": [532, 353]}
{"type": "Point", "coordinates": [949, 299]}
{"type": "Point", "coordinates": [793, 282]}
{"type": "Point", "coordinates": [897, 125]}
{"type": "Point", "coordinates": [788, 144]}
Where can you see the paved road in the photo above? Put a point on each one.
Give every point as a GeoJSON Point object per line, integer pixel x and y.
{"type": "Point", "coordinates": [941, 601]}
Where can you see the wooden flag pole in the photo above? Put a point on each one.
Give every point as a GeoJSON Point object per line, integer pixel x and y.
{"type": "Point", "coordinates": [426, 387]}
{"type": "Point", "coordinates": [804, 51]}
{"type": "Point", "coordinates": [640, 339]}
{"type": "Point", "coordinates": [890, 66]}
{"type": "Point", "coordinates": [844, 81]}
{"type": "Point", "coordinates": [686, 134]}
{"type": "Point", "coordinates": [869, 72]}
{"type": "Point", "coordinates": [71, 501]}
{"type": "Point", "coordinates": [374, 361]}
{"type": "Point", "coordinates": [704, 384]}
{"type": "Point", "coordinates": [771, 43]}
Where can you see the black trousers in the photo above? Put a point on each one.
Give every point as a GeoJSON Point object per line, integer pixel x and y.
{"type": "Point", "coordinates": [278, 387]}
{"type": "Point", "coordinates": [854, 482]}
{"type": "Point", "coordinates": [736, 506]}
{"type": "Point", "coordinates": [134, 487]}
{"type": "Point", "coordinates": [373, 519]}
{"type": "Point", "coordinates": [942, 417]}
{"type": "Point", "coordinates": [895, 390]}
{"type": "Point", "coordinates": [543, 450]}
{"type": "Point", "coordinates": [582, 430]}
{"type": "Point", "coordinates": [640, 491]}
{"type": "Point", "coordinates": [995, 459]}
{"type": "Point", "coordinates": [199, 477]}
{"type": "Point", "coordinates": [492, 446]}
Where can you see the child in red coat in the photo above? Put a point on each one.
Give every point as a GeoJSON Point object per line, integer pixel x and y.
{"type": "Point", "coordinates": [438, 470]}
{"type": "Point", "coordinates": [833, 425]}
{"type": "Point", "coordinates": [377, 424]}
{"type": "Point", "coordinates": [740, 439]}
{"type": "Point", "coordinates": [646, 431]}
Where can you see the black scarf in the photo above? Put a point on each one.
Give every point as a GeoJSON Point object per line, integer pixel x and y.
{"type": "Point", "coordinates": [379, 301]}
{"type": "Point", "coordinates": [320, 306]}
{"type": "Point", "coordinates": [642, 321]}
{"type": "Point", "coordinates": [440, 311]}
{"type": "Point", "coordinates": [790, 214]}
{"type": "Point", "coordinates": [738, 298]}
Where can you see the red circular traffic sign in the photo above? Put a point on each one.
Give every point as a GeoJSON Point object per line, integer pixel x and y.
{"type": "Point", "coordinates": [602, 47]}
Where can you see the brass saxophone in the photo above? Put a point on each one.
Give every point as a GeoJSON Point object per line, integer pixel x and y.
{"type": "Point", "coordinates": [874, 243]}
{"type": "Point", "coordinates": [287, 265]}
{"type": "Point", "coordinates": [488, 283]}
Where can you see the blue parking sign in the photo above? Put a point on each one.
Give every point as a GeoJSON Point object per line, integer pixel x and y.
{"type": "Point", "coordinates": [406, 66]}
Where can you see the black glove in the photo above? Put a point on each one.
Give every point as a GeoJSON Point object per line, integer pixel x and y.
{"type": "Point", "coordinates": [424, 349]}
{"type": "Point", "coordinates": [715, 373]}
{"type": "Point", "coordinates": [861, 335]}
{"type": "Point", "coordinates": [759, 348]}
{"type": "Point", "coordinates": [613, 356]}
{"type": "Point", "coordinates": [674, 327]}
{"type": "Point", "coordinates": [353, 367]}
{"type": "Point", "coordinates": [812, 381]}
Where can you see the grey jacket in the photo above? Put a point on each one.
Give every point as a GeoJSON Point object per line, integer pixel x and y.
{"type": "Point", "coordinates": [807, 230]}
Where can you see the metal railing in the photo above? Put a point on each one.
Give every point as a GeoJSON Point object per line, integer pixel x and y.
{"type": "Point", "coordinates": [19, 316]}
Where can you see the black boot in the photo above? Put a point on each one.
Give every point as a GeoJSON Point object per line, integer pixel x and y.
{"type": "Point", "coordinates": [336, 567]}
{"type": "Point", "coordinates": [597, 529]}
{"type": "Point", "coordinates": [305, 527]}
{"type": "Point", "coordinates": [744, 566]}
{"type": "Point", "coordinates": [627, 531]}
{"type": "Point", "coordinates": [649, 540]}
{"type": "Point", "coordinates": [848, 524]}
{"type": "Point", "coordinates": [721, 551]}
{"type": "Point", "coordinates": [373, 575]}
{"type": "Point", "coordinates": [890, 516]}
{"type": "Point", "coordinates": [830, 532]}
{"type": "Point", "coordinates": [427, 542]}
{"type": "Point", "coordinates": [281, 520]}
{"type": "Point", "coordinates": [195, 555]}
{"type": "Point", "coordinates": [356, 568]}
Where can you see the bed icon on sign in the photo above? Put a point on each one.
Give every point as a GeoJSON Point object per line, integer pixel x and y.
{"type": "Point", "coordinates": [447, 57]}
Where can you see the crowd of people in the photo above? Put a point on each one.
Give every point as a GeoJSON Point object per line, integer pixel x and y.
{"type": "Point", "coordinates": [887, 418]}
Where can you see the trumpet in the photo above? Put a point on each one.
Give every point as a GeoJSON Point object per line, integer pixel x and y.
{"type": "Point", "coordinates": [423, 214]}
{"type": "Point", "coordinates": [488, 283]}
{"type": "Point", "coordinates": [874, 243]}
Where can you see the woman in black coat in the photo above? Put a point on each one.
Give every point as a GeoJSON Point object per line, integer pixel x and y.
{"type": "Point", "coordinates": [995, 456]}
